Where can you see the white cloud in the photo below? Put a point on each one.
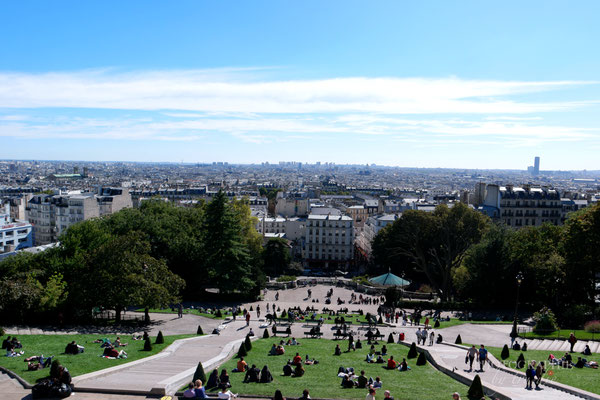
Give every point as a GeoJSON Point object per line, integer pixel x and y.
{"type": "Point", "coordinates": [231, 91]}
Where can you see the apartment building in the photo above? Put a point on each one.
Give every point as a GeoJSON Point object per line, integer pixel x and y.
{"type": "Point", "coordinates": [291, 204]}
{"type": "Point", "coordinates": [372, 227]}
{"type": "Point", "coordinates": [51, 215]}
{"type": "Point", "coordinates": [14, 234]}
{"type": "Point", "coordinates": [329, 241]}
{"type": "Point", "coordinates": [523, 206]}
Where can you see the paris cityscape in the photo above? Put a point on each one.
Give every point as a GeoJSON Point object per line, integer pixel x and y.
{"type": "Point", "coordinates": [278, 200]}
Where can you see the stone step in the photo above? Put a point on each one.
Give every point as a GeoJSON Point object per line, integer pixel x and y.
{"type": "Point", "coordinates": [595, 347]}
{"type": "Point", "coordinates": [545, 345]}
{"type": "Point", "coordinates": [580, 345]}
{"type": "Point", "coordinates": [534, 344]}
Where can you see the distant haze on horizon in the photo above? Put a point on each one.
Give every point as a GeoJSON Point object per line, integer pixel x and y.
{"type": "Point", "coordinates": [468, 85]}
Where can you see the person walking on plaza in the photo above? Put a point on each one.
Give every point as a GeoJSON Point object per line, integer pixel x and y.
{"type": "Point", "coordinates": [258, 311]}
{"type": "Point", "coordinates": [431, 338]}
{"type": "Point", "coordinates": [247, 319]}
{"type": "Point", "coordinates": [482, 357]}
{"type": "Point", "coordinates": [180, 311]}
{"type": "Point", "coordinates": [471, 353]}
{"type": "Point", "coordinates": [539, 371]}
{"type": "Point", "coordinates": [572, 340]}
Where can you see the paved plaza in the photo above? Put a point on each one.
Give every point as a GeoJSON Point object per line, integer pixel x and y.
{"type": "Point", "coordinates": [167, 371]}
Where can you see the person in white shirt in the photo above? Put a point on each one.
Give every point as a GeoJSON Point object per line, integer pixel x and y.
{"type": "Point", "coordinates": [225, 394]}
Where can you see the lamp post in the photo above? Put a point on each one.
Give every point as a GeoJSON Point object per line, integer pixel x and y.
{"type": "Point", "coordinates": [514, 333]}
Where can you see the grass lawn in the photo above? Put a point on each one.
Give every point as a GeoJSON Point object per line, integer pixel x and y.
{"type": "Point", "coordinates": [585, 378]}
{"type": "Point", "coordinates": [456, 322]}
{"type": "Point", "coordinates": [420, 383]}
{"type": "Point", "coordinates": [187, 311]}
{"type": "Point", "coordinates": [562, 334]}
{"type": "Point", "coordinates": [88, 361]}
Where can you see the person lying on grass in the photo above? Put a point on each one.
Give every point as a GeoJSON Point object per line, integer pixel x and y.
{"type": "Point", "coordinates": [38, 362]}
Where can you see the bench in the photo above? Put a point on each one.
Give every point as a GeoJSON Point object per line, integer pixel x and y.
{"type": "Point", "coordinates": [338, 335]}
{"type": "Point", "coordinates": [312, 322]}
{"type": "Point", "coordinates": [276, 331]}
{"type": "Point", "coordinates": [313, 334]}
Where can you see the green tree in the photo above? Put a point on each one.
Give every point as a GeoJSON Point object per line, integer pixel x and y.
{"type": "Point", "coordinates": [435, 243]}
{"type": "Point", "coordinates": [227, 258]}
{"type": "Point", "coordinates": [276, 256]}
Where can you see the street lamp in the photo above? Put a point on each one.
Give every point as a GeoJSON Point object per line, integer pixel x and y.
{"type": "Point", "coordinates": [514, 333]}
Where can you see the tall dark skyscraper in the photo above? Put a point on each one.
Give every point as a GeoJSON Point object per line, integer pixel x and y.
{"type": "Point", "coordinates": [536, 166]}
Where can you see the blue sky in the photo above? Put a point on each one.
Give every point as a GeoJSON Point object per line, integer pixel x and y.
{"type": "Point", "coordinates": [467, 84]}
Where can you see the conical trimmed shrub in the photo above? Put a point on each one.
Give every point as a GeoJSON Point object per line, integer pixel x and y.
{"type": "Point", "coordinates": [145, 336]}
{"type": "Point", "coordinates": [422, 360]}
{"type": "Point", "coordinates": [159, 338]}
{"type": "Point", "coordinates": [437, 323]}
{"type": "Point", "coordinates": [219, 314]}
{"type": "Point", "coordinates": [147, 344]}
{"type": "Point", "coordinates": [391, 338]}
{"type": "Point", "coordinates": [242, 352]}
{"type": "Point", "coordinates": [505, 353]}
{"type": "Point", "coordinates": [199, 331]}
{"type": "Point", "coordinates": [476, 390]}
{"type": "Point", "coordinates": [199, 374]}
{"type": "Point", "coordinates": [458, 340]}
{"type": "Point", "coordinates": [251, 309]}
{"type": "Point", "coordinates": [521, 361]}
{"type": "Point", "coordinates": [380, 321]}
{"type": "Point", "coordinates": [248, 343]}
{"type": "Point", "coordinates": [266, 334]}
{"type": "Point", "coordinates": [412, 352]}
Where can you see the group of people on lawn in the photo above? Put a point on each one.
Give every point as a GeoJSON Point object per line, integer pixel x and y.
{"type": "Point", "coordinates": [12, 346]}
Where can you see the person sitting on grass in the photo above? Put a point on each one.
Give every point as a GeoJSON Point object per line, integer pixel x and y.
{"type": "Point", "coordinates": [387, 395]}
{"type": "Point", "coordinates": [280, 350]}
{"type": "Point", "coordinates": [213, 380]}
{"type": "Point", "coordinates": [297, 359]}
{"type": "Point", "coordinates": [305, 395]}
{"type": "Point", "coordinates": [337, 351]}
{"type": "Point", "coordinates": [377, 384]}
{"type": "Point", "coordinates": [347, 382]}
{"type": "Point", "coordinates": [371, 395]}
{"type": "Point", "coordinates": [580, 363]}
{"type": "Point", "coordinates": [15, 343]}
{"type": "Point", "coordinates": [391, 363]}
{"type": "Point", "coordinates": [439, 339]}
{"type": "Point", "coordinates": [403, 366]}
{"type": "Point", "coordinates": [189, 392]}
{"type": "Point", "coordinates": [73, 348]}
{"type": "Point", "coordinates": [241, 366]}
{"type": "Point", "coordinates": [265, 375]}
{"type": "Point", "coordinates": [225, 394]}
{"type": "Point", "coordinates": [252, 375]}
{"type": "Point", "coordinates": [5, 343]}
{"type": "Point", "coordinates": [278, 395]}
{"type": "Point", "coordinates": [379, 360]}
{"type": "Point", "coordinates": [371, 356]}
{"type": "Point", "coordinates": [224, 378]}
{"type": "Point", "coordinates": [358, 344]}
{"type": "Point", "coordinates": [273, 351]}
{"type": "Point", "coordinates": [294, 342]}
{"type": "Point", "coordinates": [287, 369]}
{"type": "Point", "coordinates": [384, 350]}
{"type": "Point", "coordinates": [299, 371]}
{"type": "Point", "coordinates": [587, 351]}
{"type": "Point", "coordinates": [199, 392]}
{"type": "Point", "coordinates": [118, 343]}
{"type": "Point", "coordinates": [361, 381]}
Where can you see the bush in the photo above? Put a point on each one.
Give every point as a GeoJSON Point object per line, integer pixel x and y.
{"type": "Point", "coordinates": [286, 278]}
{"type": "Point", "coordinates": [251, 309]}
{"type": "Point", "coordinates": [219, 314]}
{"type": "Point", "coordinates": [284, 314]}
{"type": "Point", "coordinates": [520, 361]}
{"type": "Point", "coordinates": [361, 280]}
{"type": "Point", "coordinates": [437, 323]}
{"type": "Point", "coordinates": [242, 352]}
{"type": "Point", "coordinates": [2, 331]}
{"type": "Point", "coordinates": [266, 334]}
{"type": "Point", "coordinates": [545, 321]}
{"type": "Point", "coordinates": [391, 338]}
{"type": "Point", "coordinates": [412, 352]}
{"type": "Point", "coordinates": [505, 353]}
{"type": "Point", "coordinates": [199, 331]}
{"type": "Point", "coordinates": [147, 344]}
{"type": "Point", "coordinates": [159, 338]}
{"type": "Point", "coordinates": [458, 340]}
{"type": "Point", "coordinates": [199, 374]}
{"type": "Point", "coordinates": [590, 326]}
{"type": "Point", "coordinates": [476, 390]}
{"type": "Point", "coordinates": [380, 320]}
{"type": "Point", "coordinates": [248, 343]}
{"type": "Point", "coordinates": [145, 336]}
{"type": "Point", "coordinates": [422, 360]}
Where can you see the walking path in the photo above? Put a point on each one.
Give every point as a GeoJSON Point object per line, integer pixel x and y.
{"type": "Point", "coordinates": [169, 370]}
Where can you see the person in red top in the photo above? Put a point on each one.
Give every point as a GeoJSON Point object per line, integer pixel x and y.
{"type": "Point", "coordinates": [391, 363]}
{"type": "Point", "coordinates": [297, 359]}
{"type": "Point", "coordinates": [247, 319]}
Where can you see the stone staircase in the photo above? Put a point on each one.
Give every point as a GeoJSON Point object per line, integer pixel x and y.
{"type": "Point", "coordinates": [559, 346]}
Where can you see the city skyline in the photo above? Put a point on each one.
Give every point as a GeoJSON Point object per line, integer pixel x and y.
{"type": "Point", "coordinates": [467, 85]}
